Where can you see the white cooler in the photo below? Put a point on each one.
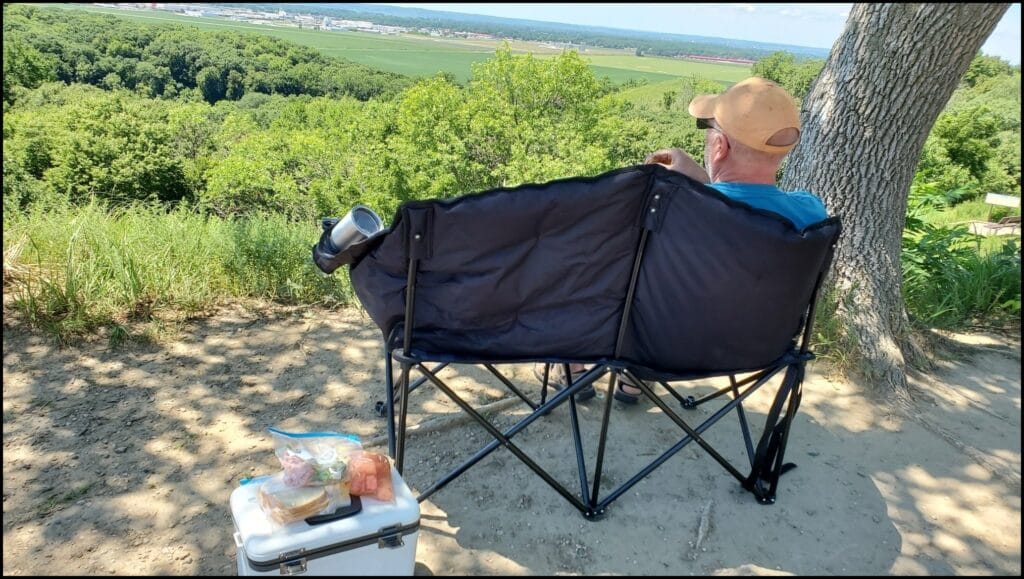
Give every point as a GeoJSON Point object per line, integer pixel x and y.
{"type": "Point", "coordinates": [378, 540]}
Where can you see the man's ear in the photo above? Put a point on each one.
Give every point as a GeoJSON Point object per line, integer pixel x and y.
{"type": "Point", "coordinates": [720, 147]}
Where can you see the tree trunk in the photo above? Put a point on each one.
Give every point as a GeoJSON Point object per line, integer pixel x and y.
{"type": "Point", "coordinates": [865, 122]}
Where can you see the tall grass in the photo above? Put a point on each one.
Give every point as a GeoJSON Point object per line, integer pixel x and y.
{"type": "Point", "coordinates": [965, 212]}
{"type": "Point", "coordinates": [71, 270]}
{"type": "Point", "coordinates": [953, 279]}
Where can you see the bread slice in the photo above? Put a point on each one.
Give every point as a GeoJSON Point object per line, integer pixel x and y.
{"type": "Point", "coordinates": [289, 504]}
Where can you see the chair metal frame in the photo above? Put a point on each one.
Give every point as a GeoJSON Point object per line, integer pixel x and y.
{"type": "Point", "coordinates": [766, 460]}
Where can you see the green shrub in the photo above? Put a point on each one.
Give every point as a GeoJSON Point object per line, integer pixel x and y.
{"type": "Point", "coordinates": [953, 278]}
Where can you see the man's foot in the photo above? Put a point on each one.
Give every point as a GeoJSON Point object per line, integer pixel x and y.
{"type": "Point", "coordinates": [626, 392]}
{"type": "Point", "coordinates": [556, 379]}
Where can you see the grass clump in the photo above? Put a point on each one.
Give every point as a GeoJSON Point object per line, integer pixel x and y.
{"type": "Point", "coordinates": [74, 270]}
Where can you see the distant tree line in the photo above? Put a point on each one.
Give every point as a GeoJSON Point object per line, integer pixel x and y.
{"type": "Point", "coordinates": [167, 60]}
{"type": "Point", "coordinates": [649, 44]}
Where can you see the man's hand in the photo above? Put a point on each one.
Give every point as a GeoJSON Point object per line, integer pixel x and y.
{"type": "Point", "coordinates": [677, 160]}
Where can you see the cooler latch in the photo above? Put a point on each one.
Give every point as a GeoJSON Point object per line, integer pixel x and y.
{"type": "Point", "coordinates": [390, 537]}
{"type": "Point", "coordinates": [295, 566]}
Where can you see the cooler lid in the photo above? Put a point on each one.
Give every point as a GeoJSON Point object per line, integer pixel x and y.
{"type": "Point", "coordinates": [267, 543]}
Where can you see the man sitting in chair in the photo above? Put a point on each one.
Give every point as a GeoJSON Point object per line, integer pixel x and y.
{"type": "Point", "coordinates": [750, 129]}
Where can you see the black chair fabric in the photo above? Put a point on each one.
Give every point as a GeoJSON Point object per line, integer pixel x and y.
{"type": "Point", "coordinates": [541, 272]}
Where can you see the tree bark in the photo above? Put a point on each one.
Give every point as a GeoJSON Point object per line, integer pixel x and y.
{"type": "Point", "coordinates": [865, 122]}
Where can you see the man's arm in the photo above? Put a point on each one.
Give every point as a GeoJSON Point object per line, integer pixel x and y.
{"type": "Point", "coordinates": [677, 160]}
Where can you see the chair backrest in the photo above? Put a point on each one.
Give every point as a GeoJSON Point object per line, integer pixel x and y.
{"type": "Point", "coordinates": [543, 271]}
{"type": "Point", "coordinates": [723, 286]}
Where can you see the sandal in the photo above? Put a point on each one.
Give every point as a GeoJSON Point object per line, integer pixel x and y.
{"type": "Point", "coordinates": [621, 395]}
{"type": "Point", "coordinates": [556, 380]}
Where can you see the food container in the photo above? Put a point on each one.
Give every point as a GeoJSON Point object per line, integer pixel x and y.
{"type": "Point", "coordinates": [371, 537]}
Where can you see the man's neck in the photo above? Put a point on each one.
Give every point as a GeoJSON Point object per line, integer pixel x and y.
{"type": "Point", "coordinates": [740, 176]}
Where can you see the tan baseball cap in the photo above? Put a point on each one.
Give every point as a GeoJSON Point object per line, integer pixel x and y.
{"type": "Point", "coordinates": [752, 111]}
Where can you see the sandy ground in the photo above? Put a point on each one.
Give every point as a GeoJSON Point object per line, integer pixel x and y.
{"type": "Point", "coordinates": [122, 462]}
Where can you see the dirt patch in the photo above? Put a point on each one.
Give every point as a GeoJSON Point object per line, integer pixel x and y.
{"type": "Point", "coordinates": [121, 461]}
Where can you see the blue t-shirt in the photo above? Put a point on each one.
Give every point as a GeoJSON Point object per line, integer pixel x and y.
{"type": "Point", "coordinates": [800, 207]}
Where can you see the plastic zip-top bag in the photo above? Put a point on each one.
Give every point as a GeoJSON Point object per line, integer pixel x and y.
{"type": "Point", "coordinates": [314, 458]}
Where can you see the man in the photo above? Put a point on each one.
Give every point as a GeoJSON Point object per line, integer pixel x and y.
{"type": "Point", "coordinates": [750, 129]}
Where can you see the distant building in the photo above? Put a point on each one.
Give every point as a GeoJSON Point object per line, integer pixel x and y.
{"type": "Point", "coordinates": [353, 24]}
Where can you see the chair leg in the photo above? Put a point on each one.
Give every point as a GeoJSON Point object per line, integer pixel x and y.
{"type": "Point", "coordinates": [779, 464]}
{"type": "Point", "coordinates": [768, 465]}
{"type": "Point", "coordinates": [404, 409]}
{"type": "Point", "coordinates": [596, 512]}
{"type": "Point", "coordinates": [744, 427]}
{"type": "Point", "coordinates": [389, 385]}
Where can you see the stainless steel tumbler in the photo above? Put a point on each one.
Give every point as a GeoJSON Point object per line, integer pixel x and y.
{"type": "Point", "coordinates": [358, 224]}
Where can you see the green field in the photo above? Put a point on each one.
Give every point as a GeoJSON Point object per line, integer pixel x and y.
{"type": "Point", "coordinates": [650, 95]}
{"type": "Point", "coordinates": [420, 56]}
{"type": "Point", "coordinates": [674, 67]}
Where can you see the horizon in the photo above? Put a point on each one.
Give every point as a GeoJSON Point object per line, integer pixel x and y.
{"type": "Point", "coordinates": [817, 25]}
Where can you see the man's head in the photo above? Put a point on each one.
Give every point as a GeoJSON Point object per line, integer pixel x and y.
{"type": "Point", "coordinates": [751, 126]}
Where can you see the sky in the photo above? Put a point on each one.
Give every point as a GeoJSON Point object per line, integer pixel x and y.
{"type": "Point", "coordinates": [815, 25]}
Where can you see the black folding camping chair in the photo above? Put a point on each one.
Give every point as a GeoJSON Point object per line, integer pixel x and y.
{"type": "Point", "coordinates": [640, 272]}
